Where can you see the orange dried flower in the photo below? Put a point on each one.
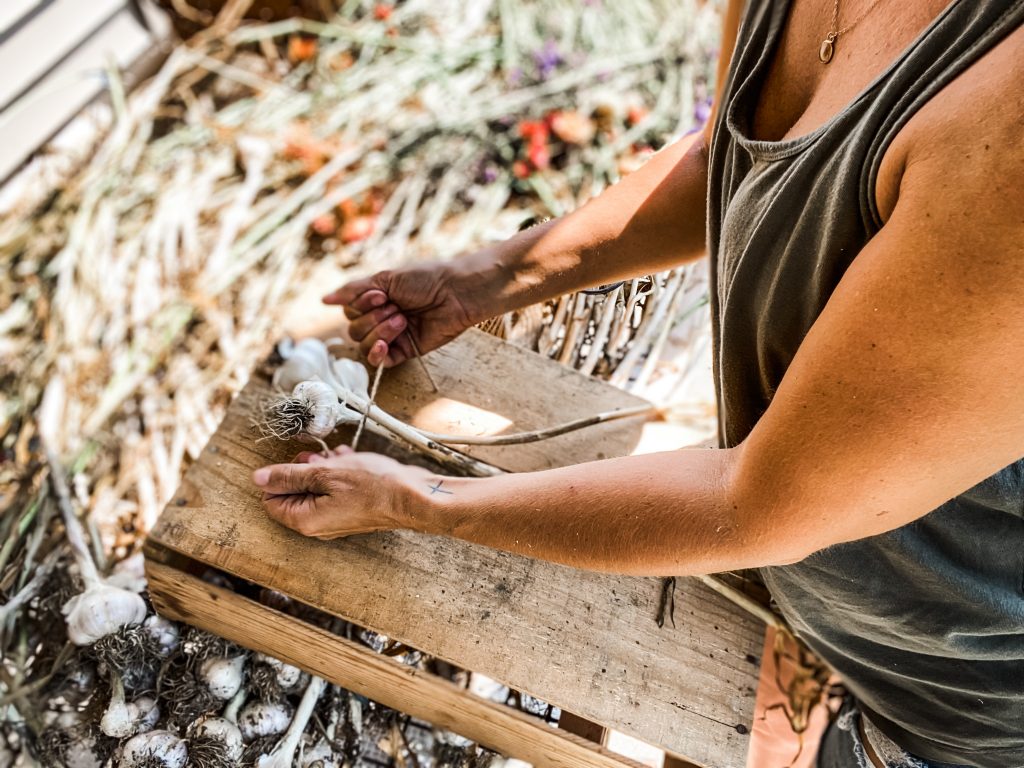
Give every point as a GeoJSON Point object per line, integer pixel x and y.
{"type": "Point", "coordinates": [324, 225]}
{"type": "Point", "coordinates": [357, 228]}
{"type": "Point", "coordinates": [301, 48]}
{"type": "Point", "coordinates": [520, 169]}
{"type": "Point", "coordinates": [572, 127]}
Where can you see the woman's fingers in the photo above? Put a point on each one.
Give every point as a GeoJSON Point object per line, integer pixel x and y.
{"type": "Point", "coordinates": [387, 331]}
{"type": "Point", "coordinates": [362, 324]}
{"type": "Point", "coordinates": [284, 479]}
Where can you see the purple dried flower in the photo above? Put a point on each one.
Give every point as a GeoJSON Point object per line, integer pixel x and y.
{"type": "Point", "coordinates": [547, 59]}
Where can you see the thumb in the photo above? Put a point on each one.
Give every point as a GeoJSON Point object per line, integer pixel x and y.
{"type": "Point", "coordinates": [289, 478]}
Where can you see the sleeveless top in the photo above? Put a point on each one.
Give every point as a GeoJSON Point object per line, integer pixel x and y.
{"type": "Point", "coordinates": [925, 623]}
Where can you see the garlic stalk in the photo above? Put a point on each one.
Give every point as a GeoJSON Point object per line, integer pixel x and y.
{"type": "Point", "coordinates": [311, 408]}
{"type": "Point", "coordinates": [284, 752]}
{"type": "Point", "coordinates": [102, 608]}
{"type": "Point", "coordinates": [223, 677]}
{"type": "Point", "coordinates": [230, 712]}
{"type": "Point", "coordinates": [155, 749]}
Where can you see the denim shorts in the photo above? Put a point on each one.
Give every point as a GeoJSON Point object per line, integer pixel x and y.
{"type": "Point", "coordinates": [841, 746]}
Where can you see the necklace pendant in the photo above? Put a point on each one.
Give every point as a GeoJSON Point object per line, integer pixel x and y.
{"type": "Point", "coordinates": [826, 50]}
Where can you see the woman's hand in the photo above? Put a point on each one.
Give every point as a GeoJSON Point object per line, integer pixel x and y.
{"type": "Point", "coordinates": [343, 494]}
{"type": "Point", "coordinates": [425, 300]}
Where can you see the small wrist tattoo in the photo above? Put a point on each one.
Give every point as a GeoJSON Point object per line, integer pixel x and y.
{"type": "Point", "coordinates": [436, 488]}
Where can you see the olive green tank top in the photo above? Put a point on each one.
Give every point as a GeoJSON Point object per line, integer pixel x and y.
{"type": "Point", "coordinates": [924, 623]}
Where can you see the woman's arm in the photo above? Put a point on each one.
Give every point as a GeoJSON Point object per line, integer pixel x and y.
{"type": "Point", "coordinates": [651, 220]}
{"type": "Point", "coordinates": [906, 392]}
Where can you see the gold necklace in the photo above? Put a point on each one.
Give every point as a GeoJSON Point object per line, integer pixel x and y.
{"type": "Point", "coordinates": [828, 45]}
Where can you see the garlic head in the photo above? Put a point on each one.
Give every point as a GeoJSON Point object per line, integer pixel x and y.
{"type": "Point", "coordinates": [154, 749]}
{"type": "Point", "coordinates": [100, 611]}
{"type": "Point", "coordinates": [352, 375]}
{"type": "Point", "coordinates": [305, 361]}
{"type": "Point", "coordinates": [221, 731]}
{"type": "Point", "coordinates": [264, 718]}
{"type": "Point", "coordinates": [164, 632]}
{"type": "Point", "coordinates": [223, 677]}
{"type": "Point", "coordinates": [322, 402]}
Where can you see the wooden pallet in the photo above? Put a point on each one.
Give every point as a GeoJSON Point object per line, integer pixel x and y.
{"type": "Point", "coordinates": [585, 642]}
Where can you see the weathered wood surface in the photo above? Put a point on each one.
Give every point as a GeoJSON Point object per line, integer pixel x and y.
{"type": "Point", "coordinates": [583, 641]}
{"type": "Point", "coordinates": [357, 668]}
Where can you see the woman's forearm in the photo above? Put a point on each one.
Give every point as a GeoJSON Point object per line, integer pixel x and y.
{"type": "Point", "coordinates": [659, 514]}
{"type": "Point", "coordinates": [651, 220]}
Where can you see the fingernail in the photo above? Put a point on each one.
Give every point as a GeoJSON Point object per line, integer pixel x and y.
{"type": "Point", "coordinates": [261, 477]}
{"type": "Point", "coordinates": [397, 321]}
{"type": "Point", "coordinates": [378, 299]}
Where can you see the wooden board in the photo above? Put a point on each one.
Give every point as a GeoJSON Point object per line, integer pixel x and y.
{"type": "Point", "coordinates": [585, 642]}
{"type": "Point", "coordinates": [357, 668]}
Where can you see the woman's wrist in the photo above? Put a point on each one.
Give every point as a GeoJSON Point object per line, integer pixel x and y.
{"type": "Point", "coordinates": [437, 503]}
{"type": "Point", "coordinates": [505, 276]}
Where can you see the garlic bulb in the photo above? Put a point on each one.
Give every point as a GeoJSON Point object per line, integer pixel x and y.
{"type": "Point", "coordinates": [220, 731]}
{"type": "Point", "coordinates": [164, 632]}
{"type": "Point", "coordinates": [284, 751]}
{"type": "Point", "coordinates": [129, 574]}
{"type": "Point", "coordinates": [122, 719]}
{"type": "Point", "coordinates": [263, 718]}
{"type": "Point", "coordinates": [223, 677]}
{"type": "Point", "coordinates": [286, 675]}
{"type": "Point", "coordinates": [148, 713]}
{"type": "Point", "coordinates": [81, 753]}
{"type": "Point", "coordinates": [102, 608]}
{"type": "Point", "coordinates": [100, 611]}
{"type": "Point", "coordinates": [307, 360]}
{"type": "Point", "coordinates": [322, 403]}
{"type": "Point", "coordinates": [352, 376]}
{"type": "Point", "coordinates": [155, 749]}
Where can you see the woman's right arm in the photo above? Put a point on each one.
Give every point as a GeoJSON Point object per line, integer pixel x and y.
{"type": "Point", "coordinates": [652, 220]}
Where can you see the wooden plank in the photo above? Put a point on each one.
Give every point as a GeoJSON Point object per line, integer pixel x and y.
{"type": "Point", "coordinates": [585, 642]}
{"type": "Point", "coordinates": [33, 118]}
{"type": "Point", "coordinates": [357, 668]}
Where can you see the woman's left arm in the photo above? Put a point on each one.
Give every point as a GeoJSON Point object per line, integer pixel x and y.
{"type": "Point", "coordinates": [908, 390]}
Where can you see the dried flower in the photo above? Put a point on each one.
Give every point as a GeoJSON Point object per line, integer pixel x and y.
{"type": "Point", "coordinates": [357, 228]}
{"type": "Point", "coordinates": [547, 59]}
{"type": "Point", "coordinates": [301, 48]}
{"type": "Point", "coordinates": [572, 127]}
